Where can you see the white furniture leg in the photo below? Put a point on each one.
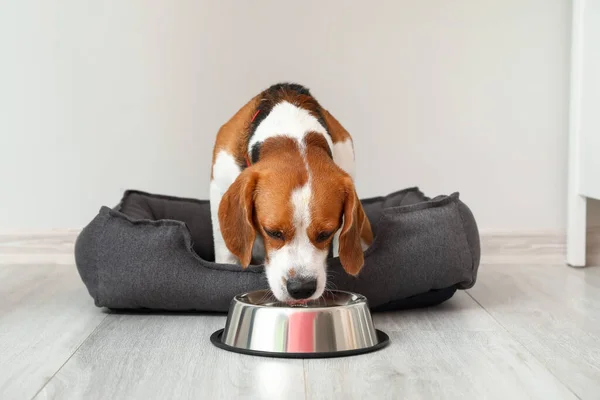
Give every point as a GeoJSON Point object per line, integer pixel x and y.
{"type": "Point", "coordinates": [576, 202]}
{"type": "Point", "coordinates": [576, 230]}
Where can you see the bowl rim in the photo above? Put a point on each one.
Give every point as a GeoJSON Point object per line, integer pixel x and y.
{"type": "Point", "coordinates": [360, 300]}
{"type": "Point", "coordinates": [383, 340]}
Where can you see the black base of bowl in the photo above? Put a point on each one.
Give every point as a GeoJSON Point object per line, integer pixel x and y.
{"type": "Point", "coordinates": [382, 340]}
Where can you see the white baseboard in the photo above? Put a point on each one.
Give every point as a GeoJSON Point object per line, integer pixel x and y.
{"type": "Point", "coordinates": [524, 248]}
{"type": "Point", "coordinates": [38, 248]}
{"type": "Point", "coordinates": [56, 247]}
{"type": "Point", "coordinates": [534, 248]}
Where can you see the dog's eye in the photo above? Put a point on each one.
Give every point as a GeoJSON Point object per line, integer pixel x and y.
{"type": "Point", "coordinates": [274, 234]}
{"type": "Point", "coordinates": [323, 236]}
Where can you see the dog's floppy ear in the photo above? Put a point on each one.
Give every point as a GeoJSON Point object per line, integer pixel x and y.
{"type": "Point", "coordinates": [356, 231]}
{"type": "Point", "coordinates": [235, 216]}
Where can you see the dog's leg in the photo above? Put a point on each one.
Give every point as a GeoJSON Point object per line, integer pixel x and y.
{"type": "Point", "coordinates": [343, 156]}
{"type": "Point", "coordinates": [258, 250]}
{"type": "Point", "coordinates": [222, 253]}
{"type": "Point", "coordinates": [335, 243]}
{"type": "Point", "coordinates": [225, 171]}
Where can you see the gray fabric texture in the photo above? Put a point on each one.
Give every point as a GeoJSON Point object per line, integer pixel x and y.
{"type": "Point", "coordinates": [156, 252]}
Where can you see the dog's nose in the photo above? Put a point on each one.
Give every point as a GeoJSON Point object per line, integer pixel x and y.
{"type": "Point", "coordinates": [301, 288]}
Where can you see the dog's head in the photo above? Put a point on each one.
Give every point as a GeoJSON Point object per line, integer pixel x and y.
{"type": "Point", "coordinates": [297, 201]}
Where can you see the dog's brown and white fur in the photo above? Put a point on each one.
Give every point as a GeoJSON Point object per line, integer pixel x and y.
{"type": "Point", "coordinates": [282, 189]}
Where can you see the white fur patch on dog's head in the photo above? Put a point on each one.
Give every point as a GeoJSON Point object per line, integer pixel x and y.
{"type": "Point", "coordinates": [299, 254]}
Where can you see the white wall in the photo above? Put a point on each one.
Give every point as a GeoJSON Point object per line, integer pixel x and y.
{"type": "Point", "coordinates": [98, 97]}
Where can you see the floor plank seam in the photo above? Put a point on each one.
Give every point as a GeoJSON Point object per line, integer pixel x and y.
{"type": "Point", "coordinates": [69, 358]}
{"type": "Point", "coordinates": [305, 379]}
{"type": "Point", "coordinates": [522, 345]}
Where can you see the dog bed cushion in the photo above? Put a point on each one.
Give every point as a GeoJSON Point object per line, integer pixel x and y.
{"type": "Point", "coordinates": [155, 252]}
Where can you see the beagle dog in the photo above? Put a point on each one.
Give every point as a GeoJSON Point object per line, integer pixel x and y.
{"type": "Point", "coordinates": [282, 192]}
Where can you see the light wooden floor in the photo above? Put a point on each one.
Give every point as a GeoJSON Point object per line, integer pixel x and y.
{"type": "Point", "coordinates": [524, 331]}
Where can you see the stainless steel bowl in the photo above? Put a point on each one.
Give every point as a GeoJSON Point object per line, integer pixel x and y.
{"type": "Point", "coordinates": [338, 324]}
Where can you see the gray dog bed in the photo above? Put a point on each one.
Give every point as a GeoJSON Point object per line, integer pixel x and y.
{"type": "Point", "coordinates": [154, 252]}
